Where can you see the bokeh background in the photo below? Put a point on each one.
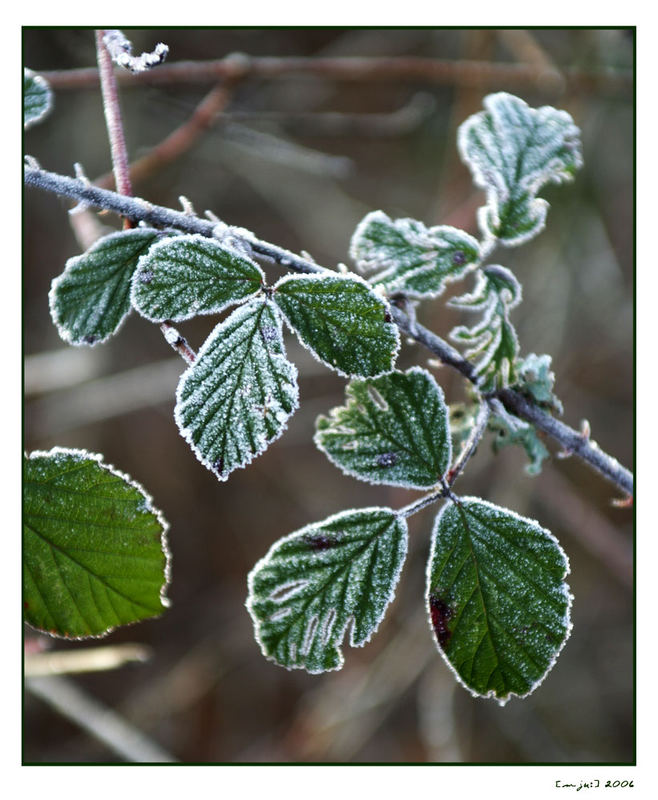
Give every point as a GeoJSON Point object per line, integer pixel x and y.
{"type": "Point", "coordinates": [299, 159]}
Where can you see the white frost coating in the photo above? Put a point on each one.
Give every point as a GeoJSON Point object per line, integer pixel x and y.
{"type": "Point", "coordinates": [325, 624]}
{"type": "Point", "coordinates": [120, 50]}
{"type": "Point", "coordinates": [513, 150]}
{"type": "Point", "coordinates": [391, 327]}
{"type": "Point", "coordinates": [191, 275]}
{"type": "Point", "coordinates": [75, 275]}
{"type": "Point", "coordinates": [405, 431]}
{"type": "Point", "coordinates": [145, 505]}
{"type": "Point", "coordinates": [565, 592]}
{"type": "Point", "coordinates": [225, 427]}
{"type": "Point", "coordinates": [404, 265]}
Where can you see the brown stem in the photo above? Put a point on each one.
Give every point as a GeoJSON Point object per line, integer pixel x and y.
{"type": "Point", "coordinates": [479, 74]}
{"type": "Point", "coordinates": [113, 120]}
{"type": "Point", "coordinates": [179, 141]}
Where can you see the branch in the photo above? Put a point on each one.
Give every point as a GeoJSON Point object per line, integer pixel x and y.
{"type": "Point", "coordinates": [137, 209]}
{"type": "Point", "coordinates": [478, 74]}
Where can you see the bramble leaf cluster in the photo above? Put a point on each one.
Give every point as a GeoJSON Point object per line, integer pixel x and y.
{"type": "Point", "coordinates": [496, 596]}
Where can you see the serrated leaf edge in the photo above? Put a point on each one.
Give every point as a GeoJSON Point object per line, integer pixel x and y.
{"type": "Point", "coordinates": [184, 430]}
{"type": "Point", "coordinates": [349, 623]}
{"type": "Point", "coordinates": [50, 99]}
{"type": "Point", "coordinates": [70, 264]}
{"type": "Point", "coordinates": [359, 476]}
{"type": "Point", "coordinates": [366, 265]}
{"type": "Point", "coordinates": [353, 277]}
{"type": "Point", "coordinates": [565, 591]}
{"type": "Point", "coordinates": [217, 309]}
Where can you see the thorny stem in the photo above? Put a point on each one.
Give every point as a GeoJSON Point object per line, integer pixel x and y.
{"type": "Point", "coordinates": [159, 216]}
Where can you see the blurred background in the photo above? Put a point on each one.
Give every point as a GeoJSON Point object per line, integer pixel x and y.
{"type": "Point", "coordinates": [299, 158]}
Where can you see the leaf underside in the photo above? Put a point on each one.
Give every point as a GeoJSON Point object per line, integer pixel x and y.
{"type": "Point", "coordinates": [392, 430]}
{"type": "Point", "coordinates": [240, 392]}
{"type": "Point", "coordinates": [188, 275]}
{"type": "Point", "coordinates": [406, 257]}
{"type": "Point", "coordinates": [94, 549]}
{"type": "Point", "coordinates": [91, 298]}
{"type": "Point", "coordinates": [497, 598]}
{"type": "Point", "coordinates": [341, 321]}
{"type": "Point", "coordinates": [513, 151]}
{"type": "Point", "coordinates": [316, 582]}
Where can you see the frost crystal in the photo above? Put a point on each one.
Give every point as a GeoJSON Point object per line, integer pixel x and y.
{"type": "Point", "coordinates": [341, 321]}
{"type": "Point", "coordinates": [492, 342]}
{"type": "Point", "coordinates": [408, 258]}
{"type": "Point", "coordinates": [238, 395]}
{"type": "Point", "coordinates": [513, 151]}
{"type": "Point", "coordinates": [497, 599]}
{"type": "Point", "coordinates": [316, 582]}
{"type": "Point", "coordinates": [392, 430]}
{"type": "Point", "coordinates": [183, 276]}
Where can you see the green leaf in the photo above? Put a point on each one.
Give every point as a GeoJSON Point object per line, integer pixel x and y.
{"type": "Point", "coordinates": [393, 430]}
{"type": "Point", "coordinates": [313, 583]}
{"type": "Point", "coordinates": [409, 258]}
{"type": "Point", "coordinates": [512, 430]}
{"type": "Point", "coordinates": [492, 343]}
{"type": "Point", "coordinates": [238, 395]}
{"type": "Point", "coordinates": [94, 548]}
{"type": "Point", "coordinates": [513, 151]}
{"type": "Point", "coordinates": [341, 321]}
{"type": "Point", "coordinates": [189, 275]}
{"type": "Point", "coordinates": [91, 298]}
{"type": "Point", "coordinates": [497, 598]}
{"type": "Point", "coordinates": [37, 98]}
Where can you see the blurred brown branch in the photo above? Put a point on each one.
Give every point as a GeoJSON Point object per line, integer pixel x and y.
{"type": "Point", "coordinates": [480, 74]}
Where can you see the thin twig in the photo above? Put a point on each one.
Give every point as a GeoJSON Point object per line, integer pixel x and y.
{"type": "Point", "coordinates": [471, 444]}
{"type": "Point", "coordinates": [178, 342]}
{"type": "Point", "coordinates": [517, 404]}
{"type": "Point", "coordinates": [478, 74]}
{"type": "Point", "coordinates": [113, 117]}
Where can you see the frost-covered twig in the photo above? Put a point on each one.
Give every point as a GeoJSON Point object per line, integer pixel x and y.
{"type": "Point", "coordinates": [433, 71]}
{"type": "Point", "coordinates": [120, 50]}
{"type": "Point", "coordinates": [515, 403]}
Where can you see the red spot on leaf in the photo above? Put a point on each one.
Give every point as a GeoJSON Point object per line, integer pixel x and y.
{"type": "Point", "coordinates": [441, 613]}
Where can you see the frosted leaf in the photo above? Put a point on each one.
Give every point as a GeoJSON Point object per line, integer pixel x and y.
{"type": "Point", "coordinates": [497, 599]}
{"type": "Point", "coordinates": [409, 258]}
{"type": "Point", "coordinates": [238, 395]}
{"type": "Point", "coordinates": [94, 547]}
{"type": "Point", "coordinates": [535, 379]}
{"type": "Point", "coordinates": [341, 321]}
{"type": "Point", "coordinates": [91, 298]}
{"type": "Point", "coordinates": [492, 342]}
{"type": "Point", "coordinates": [37, 98]}
{"type": "Point", "coordinates": [513, 151]}
{"type": "Point", "coordinates": [189, 275]}
{"type": "Point", "coordinates": [392, 430]}
{"type": "Point", "coordinates": [316, 582]}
